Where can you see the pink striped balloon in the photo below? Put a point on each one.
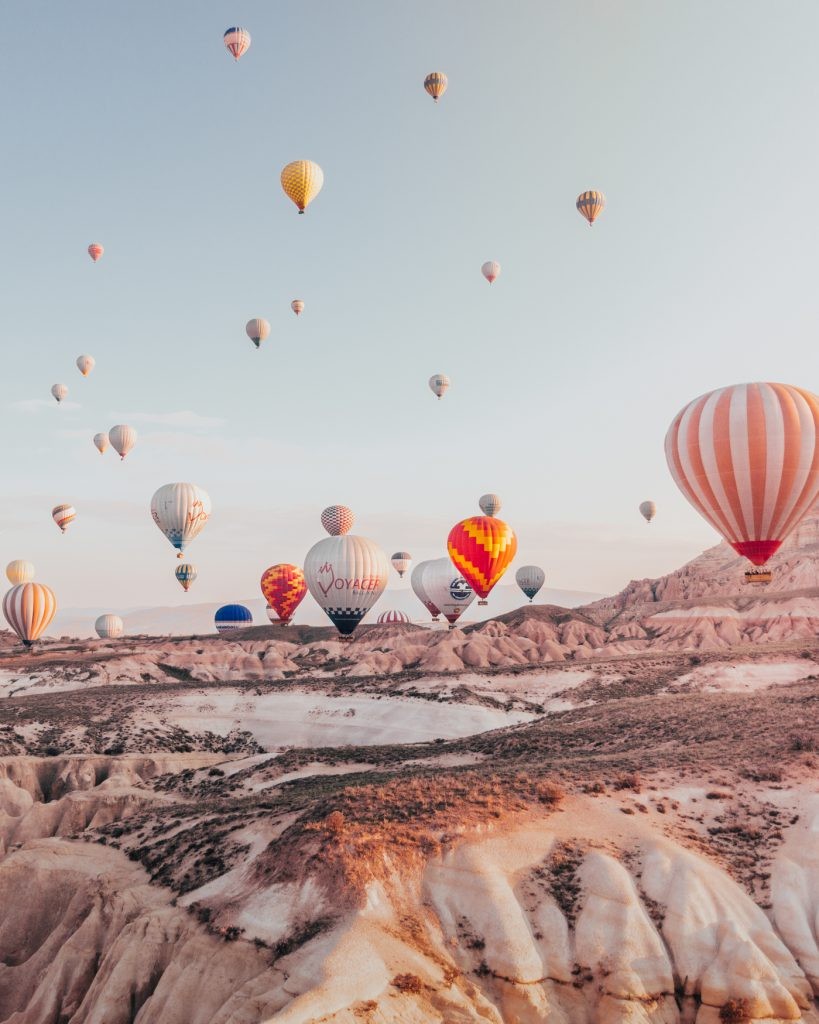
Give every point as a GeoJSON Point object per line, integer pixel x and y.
{"type": "Point", "coordinates": [390, 617]}
{"type": "Point", "coordinates": [29, 609]}
{"type": "Point", "coordinates": [237, 41]}
{"type": "Point", "coordinates": [95, 251]}
{"type": "Point", "coordinates": [747, 458]}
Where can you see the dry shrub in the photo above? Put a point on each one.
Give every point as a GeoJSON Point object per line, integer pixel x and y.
{"type": "Point", "coordinates": [408, 983]}
{"type": "Point", "coordinates": [334, 823]}
{"type": "Point", "coordinates": [631, 781]}
{"type": "Point", "coordinates": [735, 1011]}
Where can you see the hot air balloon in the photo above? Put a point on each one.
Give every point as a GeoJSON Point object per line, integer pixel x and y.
{"type": "Point", "coordinates": [302, 181]}
{"type": "Point", "coordinates": [237, 41]}
{"type": "Point", "coordinates": [59, 391]}
{"type": "Point", "coordinates": [590, 205]}
{"type": "Point", "coordinates": [271, 614]}
{"type": "Point", "coordinates": [345, 574]}
{"type": "Point", "coordinates": [648, 510]}
{"type": "Point", "coordinates": [491, 270]}
{"type": "Point", "coordinates": [482, 548]}
{"type": "Point", "coordinates": [180, 511]}
{"type": "Point", "coordinates": [29, 609]}
{"type": "Point", "coordinates": [85, 364]}
{"type": "Point", "coordinates": [122, 438]}
{"type": "Point", "coordinates": [439, 384]}
{"type": "Point", "coordinates": [447, 589]}
{"type": "Point", "coordinates": [747, 458]}
{"type": "Point", "coordinates": [109, 627]}
{"type": "Point", "coordinates": [95, 251]}
{"type": "Point", "coordinates": [435, 84]}
{"type": "Point", "coordinates": [392, 618]}
{"type": "Point", "coordinates": [186, 574]}
{"type": "Point", "coordinates": [19, 571]}
{"type": "Point", "coordinates": [417, 584]}
{"type": "Point", "coordinates": [284, 588]}
{"type": "Point", "coordinates": [257, 330]}
{"type": "Point", "coordinates": [490, 504]}
{"type": "Point", "coordinates": [101, 442]}
{"type": "Point", "coordinates": [297, 305]}
{"type": "Point", "coordinates": [232, 616]}
{"type": "Point", "coordinates": [63, 515]}
{"type": "Point", "coordinates": [401, 561]}
{"type": "Point", "coordinates": [530, 578]}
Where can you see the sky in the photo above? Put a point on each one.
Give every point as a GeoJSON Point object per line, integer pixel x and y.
{"type": "Point", "coordinates": [129, 124]}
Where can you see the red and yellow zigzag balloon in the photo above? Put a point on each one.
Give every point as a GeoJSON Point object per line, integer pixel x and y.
{"type": "Point", "coordinates": [482, 548]}
{"type": "Point", "coordinates": [284, 588]}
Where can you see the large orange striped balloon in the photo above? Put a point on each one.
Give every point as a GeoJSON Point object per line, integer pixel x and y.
{"type": "Point", "coordinates": [747, 458]}
{"type": "Point", "coordinates": [482, 548]}
{"type": "Point", "coordinates": [284, 588]}
{"type": "Point", "coordinates": [29, 609]}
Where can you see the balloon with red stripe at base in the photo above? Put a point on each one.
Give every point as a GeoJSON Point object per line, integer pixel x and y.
{"type": "Point", "coordinates": [747, 458]}
{"type": "Point", "coordinates": [29, 609]}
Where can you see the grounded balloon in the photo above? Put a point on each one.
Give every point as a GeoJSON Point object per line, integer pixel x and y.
{"type": "Point", "coordinates": [490, 504]}
{"type": "Point", "coordinates": [257, 330]}
{"type": "Point", "coordinates": [417, 584]}
{"type": "Point", "coordinates": [109, 627]}
{"type": "Point", "coordinates": [447, 589]}
{"type": "Point", "coordinates": [59, 391]}
{"type": "Point", "coordinates": [237, 41]}
{"type": "Point", "coordinates": [530, 578]}
{"type": "Point", "coordinates": [482, 548]}
{"type": "Point", "coordinates": [95, 251]}
{"type": "Point", "coordinates": [747, 458]}
{"type": "Point", "coordinates": [122, 438]}
{"type": "Point", "coordinates": [439, 384]}
{"type": "Point", "coordinates": [186, 574]}
{"type": "Point", "coordinates": [302, 181]}
{"type": "Point", "coordinates": [85, 364]}
{"type": "Point", "coordinates": [101, 442]}
{"type": "Point", "coordinates": [337, 519]}
{"type": "Point", "coordinates": [491, 271]}
{"type": "Point", "coordinates": [346, 575]}
{"type": "Point", "coordinates": [401, 561]}
{"type": "Point", "coordinates": [271, 614]}
{"type": "Point", "coordinates": [590, 205]}
{"type": "Point", "coordinates": [297, 305]}
{"type": "Point", "coordinates": [391, 618]}
{"type": "Point", "coordinates": [284, 588]}
{"type": "Point", "coordinates": [180, 511]}
{"type": "Point", "coordinates": [232, 616]}
{"type": "Point", "coordinates": [29, 609]}
{"type": "Point", "coordinates": [19, 571]}
{"type": "Point", "coordinates": [63, 515]}
{"type": "Point", "coordinates": [648, 510]}
{"type": "Point", "coordinates": [435, 84]}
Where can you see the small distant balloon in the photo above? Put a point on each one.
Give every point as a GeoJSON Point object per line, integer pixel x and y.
{"type": "Point", "coordinates": [439, 384]}
{"type": "Point", "coordinates": [180, 511]}
{"type": "Point", "coordinates": [530, 578]}
{"type": "Point", "coordinates": [392, 617]}
{"type": "Point", "coordinates": [19, 571]}
{"type": "Point", "coordinates": [337, 520]}
{"type": "Point", "coordinates": [648, 510]}
{"type": "Point", "coordinates": [59, 391]}
{"type": "Point", "coordinates": [29, 609]}
{"type": "Point", "coordinates": [109, 627]}
{"type": "Point", "coordinates": [232, 616]}
{"type": "Point", "coordinates": [186, 574]}
{"type": "Point", "coordinates": [257, 330]}
{"type": "Point", "coordinates": [297, 305]}
{"type": "Point", "coordinates": [490, 504]}
{"type": "Point", "coordinates": [491, 270]}
{"type": "Point", "coordinates": [302, 181]}
{"type": "Point", "coordinates": [63, 516]}
{"type": "Point", "coordinates": [401, 561]}
{"type": "Point", "coordinates": [237, 41]}
{"type": "Point", "coordinates": [122, 438]}
{"type": "Point", "coordinates": [95, 251]}
{"type": "Point", "coordinates": [590, 205]}
{"type": "Point", "coordinates": [85, 364]}
{"type": "Point", "coordinates": [435, 84]}
{"type": "Point", "coordinates": [101, 443]}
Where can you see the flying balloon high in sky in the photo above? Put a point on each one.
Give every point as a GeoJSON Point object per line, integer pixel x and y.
{"type": "Point", "coordinates": [302, 180]}
{"type": "Point", "coordinates": [482, 548]}
{"type": "Point", "coordinates": [436, 84]}
{"type": "Point", "coordinates": [237, 41]}
{"type": "Point", "coordinates": [180, 511]}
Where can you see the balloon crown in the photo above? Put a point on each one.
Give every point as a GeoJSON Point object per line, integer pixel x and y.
{"type": "Point", "coordinates": [337, 520]}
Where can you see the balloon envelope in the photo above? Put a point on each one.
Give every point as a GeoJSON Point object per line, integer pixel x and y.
{"type": "Point", "coordinates": [59, 391]}
{"type": "Point", "coordinates": [439, 384]}
{"type": "Point", "coordinates": [63, 515]}
{"type": "Point", "coordinates": [435, 84]}
{"type": "Point", "coordinates": [447, 589]}
{"type": "Point", "coordinates": [109, 626]}
{"type": "Point", "coordinates": [180, 511]}
{"type": "Point", "coordinates": [648, 510]}
{"type": "Point", "coordinates": [747, 458]}
{"type": "Point", "coordinates": [232, 616]}
{"type": "Point", "coordinates": [85, 364]}
{"type": "Point", "coordinates": [302, 181]}
{"type": "Point", "coordinates": [101, 442]}
{"type": "Point", "coordinates": [530, 578]}
{"type": "Point", "coordinates": [337, 519]}
{"type": "Point", "coordinates": [122, 438]}
{"type": "Point", "coordinates": [590, 205]}
{"type": "Point", "coordinates": [390, 617]}
{"type": "Point", "coordinates": [186, 574]}
{"type": "Point", "coordinates": [491, 270]}
{"type": "Point", "coordinates": [420, 591]}
{"type": "Point", "coordinates": [297, 305]}
{"type": "Point", "coordinates": [95, 251]}
{"type": "Point", "coordinates": [482, 548]}
{"type": "Point", "coordinates": [257, 330]}
{"type": "Point", "coordinates": [490, 504]}
{"type": "Point", "coordinates": [29, 609]}
{"type": "Point", "coordinates": [284, 588]}
{"type": "Point", "coordinates": [401, 561]}
{"type": "Point", "coordinates": [19, 571]}
{"type": "Point", "coordinates": [237, 41]}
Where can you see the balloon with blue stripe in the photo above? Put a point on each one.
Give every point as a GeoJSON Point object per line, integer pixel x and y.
{"type": "Point", "coordinates": [232, 616]}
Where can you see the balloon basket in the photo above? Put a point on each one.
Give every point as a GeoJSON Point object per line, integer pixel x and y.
{"type": "Point", "coordinates": [483, 602]}
{"type": "Point", "coordinates": [758, 576]}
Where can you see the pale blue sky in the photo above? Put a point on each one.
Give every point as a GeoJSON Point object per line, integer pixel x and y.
{"type": "Point", "coordinates": [129, 124]}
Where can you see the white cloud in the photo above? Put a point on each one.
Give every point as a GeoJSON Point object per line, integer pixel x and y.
{"type": "Point", "coordinates": [185, 418]}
